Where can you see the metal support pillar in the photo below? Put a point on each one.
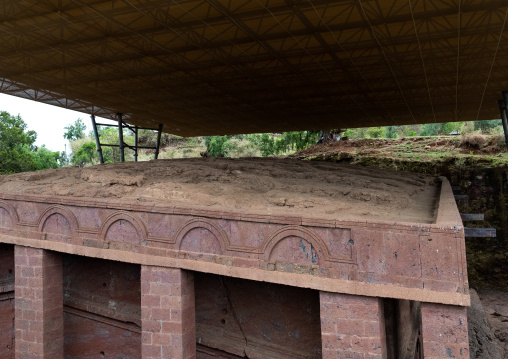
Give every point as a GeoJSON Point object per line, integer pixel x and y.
{"type": "Point", "coordinates": [159, 133]}
{"type": "Point", "coordinates": [121, 144]}
{"type": "Point", "coordinates": [97, 141]}
{"type": "Point", "coordinates": [120, 137]}
{"type": "Point", "coordinates": [135, 149]}
{"type": "Point", "coordinates": [504, 116]}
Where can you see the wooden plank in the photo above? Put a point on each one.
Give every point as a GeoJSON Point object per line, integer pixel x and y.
{"type": "Point", "coordinates": [472, 216]}
{"type": "Point", "coordinates": [480, 232]}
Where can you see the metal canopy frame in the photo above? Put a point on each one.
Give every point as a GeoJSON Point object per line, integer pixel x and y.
{"type": "Point", "coordinates": [504, 115]}
{"type": "Point", "coordinates": [121, 144]}
{"type": "Point", "coordinates": [226, 67]}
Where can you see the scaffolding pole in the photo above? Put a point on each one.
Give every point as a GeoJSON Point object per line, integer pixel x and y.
{"type": "Point", "coordinates": [120, 137]}
{"type": "Point", "coordinates": [121, 144]}
{"type": "Point", "coordinates": [504, 115]}
{"type": "Point", "coordinates": [159, 133]}
{"type": "Point", "coordinates": [97, 140]}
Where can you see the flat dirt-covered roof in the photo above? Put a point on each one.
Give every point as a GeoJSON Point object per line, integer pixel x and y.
{"type": "Point", "coordinates": [281, 187]}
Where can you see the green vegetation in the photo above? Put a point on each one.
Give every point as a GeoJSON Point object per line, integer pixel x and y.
{"type": "Point", "coordinates": [75, 131]}
{"type": "Point", "coordinates": [263, 144]}
{"type": "Point", "coordinates": [17, 150]}
{"type": "Point", "coordinates": [260, 145]}
{"type": "Point", "coordinates": [84, 151]}
{"type": "Point", "coordinates": [429, 129]}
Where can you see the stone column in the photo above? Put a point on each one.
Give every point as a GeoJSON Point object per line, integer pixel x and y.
{"type": "Point", "coordinates": [38, 303]}
{"type": "Point", "coordinates": [168, 318]}
{"type": "Point", "coordinates": [444, 331]}
{"type": "Point", "coordinates": [352, 326]}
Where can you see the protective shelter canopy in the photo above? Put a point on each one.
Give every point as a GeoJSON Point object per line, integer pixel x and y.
{"type": "Point", "coordinates": [203, 67]}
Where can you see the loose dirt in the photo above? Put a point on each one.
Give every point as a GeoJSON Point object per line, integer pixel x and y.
{"type": "Point", "coordinates": [262, 185]}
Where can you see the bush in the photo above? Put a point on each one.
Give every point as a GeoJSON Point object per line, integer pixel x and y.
{"type": "Point", "coordinates": [149, 138]}
{"type": "Point", "coordinates": [475, 140]}
{"type": "Point", "coordinates": [85, 155]}
{"type": "Point", "coordinates": [467, 128]}
{"type": "Point", "coordinates": [243, 148]}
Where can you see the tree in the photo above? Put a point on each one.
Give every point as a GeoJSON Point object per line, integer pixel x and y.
{"type": "Point", "coordinates": [375, 132]}
{"type": "Point", "coordinates": [486, 125]}
{"type": "Point", "coordinates": [85, 155]}
{"type": "Point", "coordinates": [217, 145]}
{"type": "Point", "coordinates": [16, 145]}
{"type": "Point", "coordinates": [46, 159]}
{"type": "Point", "coordinates": [391, 132]}
{"type": "Point", "coordinates": [432, 129]}
{"type": "Point", "coordinates": [76, 131]}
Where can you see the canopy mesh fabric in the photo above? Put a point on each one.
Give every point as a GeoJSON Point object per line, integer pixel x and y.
{"type": "Point", "coordinates": [224, 67]}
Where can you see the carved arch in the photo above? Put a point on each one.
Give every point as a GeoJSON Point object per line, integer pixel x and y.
{"type": "Point", "coordinates": [136, 222]}
{"type": "Point", "coordinates": [64, 212]}
{"type": "Point", "coordinates": [9, 208]}
{"type": "Point", "coordinates": [294, 231]}
{"type": "Point", "coordinates": [217, 231]}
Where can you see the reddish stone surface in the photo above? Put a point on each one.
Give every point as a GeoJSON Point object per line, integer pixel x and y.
{"type": "Point", "coordinates": [167, 313]}
{"type": "Point", "coordinates": [203, 352]}
{"type": "Point", "coordinates": [122, 231]}
{"type": "Point", "coordinates": [234, 317]}
{"type": "Point", "coordinates": [7, 325]}
{"type": "Point", "coordinates": [421, 256]}
{"type": "Point", "coordinates": [352, 326]}
{"type": "Point", "coordinates": [107, 288]}
{"type": "Point", "coordinates": [88, 336]}
{"type": "Point", "coordinates": [255, 319]}
{"type": "Point", "coordinates": [57, 228]}
{"type": "Point", "coordinates": [5, 219]}
{"type": "Point", "coordinates": [6, 301]}
{"type": "Point", "coordinates": [444, 331]}
{"type": "Point", "coordinates": [200, 240]}
{"type": "Point", "coordinates": [408, 319]}
{"type": "Point", "coordinates": [39, 303]}
{"type": "Point", "coordinates": [6, 267]}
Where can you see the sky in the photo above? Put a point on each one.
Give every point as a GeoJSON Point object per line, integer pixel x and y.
{"type": "Point", "coordinates": [36, 116]}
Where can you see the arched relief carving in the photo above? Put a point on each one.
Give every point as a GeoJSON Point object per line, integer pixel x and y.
{"type": "Point", "coordinates": [69, 217]}
{"type": "Point", "coordinates": [57, 223]}
{"type": "Point", "coordinates": [123, 227]}
{"type": "Point", "coordinates": [295, 244]}
{"type": "Point", "coordinates": [202, 235]}
{"type": "Point", "coordinates": [8, 215]}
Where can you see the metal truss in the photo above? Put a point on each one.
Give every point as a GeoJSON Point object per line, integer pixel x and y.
{"type": "Point", "coordinates": [224, 66]}
{"type": "Point", "coordinates": [121, 144]}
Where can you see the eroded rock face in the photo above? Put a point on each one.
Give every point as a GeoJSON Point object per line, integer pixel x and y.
{"type": "Point", "coordinates": [483, 343]}
{"type": "Point", "coordinates": [265, 185]}
{"type": "Point", "coordinates": [495, 303]}
{"type": "Point", "coordinates": [237, 318]}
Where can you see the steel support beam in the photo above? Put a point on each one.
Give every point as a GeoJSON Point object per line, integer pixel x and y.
{"type": "Point", "coordinates": [120, 137]}
{"type": "Point", "coordinates": [504, 116]}
{"type": "Point", "coordinates": [135, 130]}
{"type": "Point", "coordinates": [461, 197]}
{"type": "Point", "coordinates": [158, 141]}
{"type": "Point", "coordinates": [472, 216]}
{"type": "Point", "coordinates": [480, 232]}
{"type": "Point", "coordinates": [97, 140]}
